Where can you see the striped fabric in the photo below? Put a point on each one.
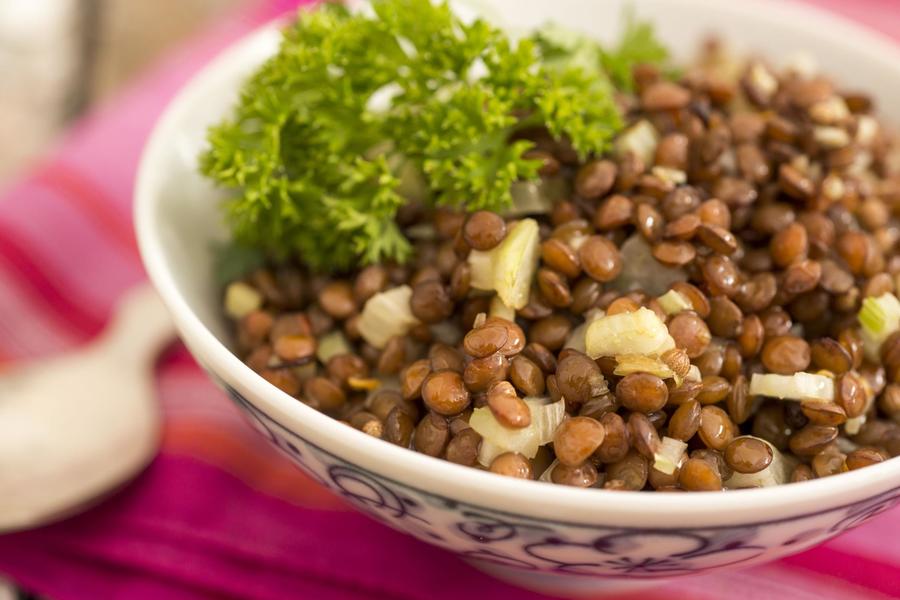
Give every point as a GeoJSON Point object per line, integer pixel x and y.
{"type": "Point", "coordinates": [219, 514]}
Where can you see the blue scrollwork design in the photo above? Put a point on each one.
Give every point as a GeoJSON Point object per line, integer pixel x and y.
{"type": "Point", "coordinates": [523, 542]}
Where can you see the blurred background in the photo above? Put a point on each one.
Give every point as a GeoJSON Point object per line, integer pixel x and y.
{"type": "Point", "coordinates": [59, 57]}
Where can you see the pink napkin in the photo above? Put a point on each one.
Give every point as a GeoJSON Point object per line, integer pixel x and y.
{"type": "Point", "coordinates": [219, 514]}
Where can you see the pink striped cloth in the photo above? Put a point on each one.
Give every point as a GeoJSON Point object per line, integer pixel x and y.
{"type": "Point", "coordinates": [219, 514]}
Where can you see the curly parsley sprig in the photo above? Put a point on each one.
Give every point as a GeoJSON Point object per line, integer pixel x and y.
{"type": "Point", "coordinates": [325, 132]}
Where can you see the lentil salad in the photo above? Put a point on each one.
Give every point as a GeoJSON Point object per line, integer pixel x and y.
{"type": "Point", "coordinates": [704, 303]}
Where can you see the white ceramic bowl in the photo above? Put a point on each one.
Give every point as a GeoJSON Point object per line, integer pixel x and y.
{"type": "Point", "coordinates": [551, 538]}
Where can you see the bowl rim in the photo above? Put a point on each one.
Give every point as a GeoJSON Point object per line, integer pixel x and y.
{"type": "Point", "coordinates": [468, 485]}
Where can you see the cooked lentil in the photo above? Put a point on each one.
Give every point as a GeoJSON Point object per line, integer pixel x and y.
{"type": "Point", "coordinates": [749, 206]}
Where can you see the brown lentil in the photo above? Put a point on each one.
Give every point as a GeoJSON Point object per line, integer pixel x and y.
{"type": "Point", "coordinates": [431, 434]}
{"type": "Point", "coordinates": [484, 230]}
{"type": "Point", "coordinates": [560, 256]}
{"type": "Point", "coordinates": [747, 454]}
{"type": "Point", "coordinates": [512, 464]}
{"type": "Point", "coordinates": [812, 439]}
{"type": "Point", "coordinates": [431, 302]}
{"type": "Point", "coordinates": [600, 258]}
{"type": "Point", "coordinates": [551, 331]}
{"type": "Point", "coordinates": [507, 407]}
{"type": "Point", "coordinates": [698, 475]}
{"type": "Point", "coordinates": [576, 439]}
{"type": "Point", "coordinates": [642, 392]}
{"type": "Point", "coordinates": [336, 299]}
{"type": "Point", "coordinates": [863, 457]}
{"type": "Point", "coordinates": [644, 437]}
{"type": "Point", "coordinates": [631, 473]}
{"type": "Point", "coordinates": [786, 354]}
{"type": "Point", "coordinates": [526, 376]}
{"type": "Point", "coordinates": [690, 333]}
{"type": "Point", "coordinates": [463, 447]}
{"type": "Point", "coordinates": [685, 421]}
{"type": "Point", "coordinates": [716, 429]}
{"type": "Point", "coordinates": [584, 475]}
{"type": "Point", "coordinates": [616, 441]}
{"type": "Point", "coordinates": [481, 373]}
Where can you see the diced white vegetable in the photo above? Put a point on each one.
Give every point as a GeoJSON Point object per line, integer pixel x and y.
{"type": "Point", "coordinates": [777, 473]}
{"type": "Point", "coordinates": [536, 197]}
{"type": "Point", "coordinates": [765, 83]}
{"type": "Point", "coordinates": [673, 302]}
{"type": "Point", "coordinates": [241, 299]}
{"type": "Point", "coordinates": [487, 452]}
{"type": "Point", "coordinates": [641, 271]}
{"type": "Point", "coordinates": [831, 137]}
{"type": "Point", "coordinates": [669, 456]}
{"type": "Point", "coordinates": [481, 264]}
{"type": "Point", "coordinates": [866, 130]}
{"type": "Point", "coordinates": [799, 386]}
{"type": "Point", "coordinates": [669, 174]}
{"type": "Point", "coordinates": [638, 332]}
{"type": "Point", "coordinates": [387, 314]}
{"type": "Point", "coordinates": [829, 111]}
{"type": "Point", "coordinates": [421, 231]}
{"type": "Point", "coordinates": [693, 374]}
{"type": "Point", "coordinates": [547, 475]}
{"type": "Point", "coordinates": [638, 363]}
{"type": "Point", "coordinates": [545, 418]}
{"type": "Point", "coordinates": [515, 263]}
{"type": "Point", "coordinates": [879, 317]}
{"type": "Point", "coordinates": [510, 267]}
{"type": "Point", "coordinates": [853, 425]}
{"type": "Point", "coordinates": [640, 139]}
{"type": "Point", "coordinates": [499, 309]}
{"type": "Point", "coordinates": [331, 344]}
{"type": "Point", "coordinates": [802, 64]}
{"type": "Point", "coordinates": [575, 340]}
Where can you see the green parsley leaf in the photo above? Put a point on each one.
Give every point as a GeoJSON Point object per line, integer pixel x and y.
{"type": "Point", "coordinates": [329, 132]}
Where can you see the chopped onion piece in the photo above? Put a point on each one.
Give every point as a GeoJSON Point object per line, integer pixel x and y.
{"type": "Point", "coordinates": [641, 271]}
{"type": "Point", "coordinates": [487, 452]}
{"type": "Point", "coordinates": [669, 456]}
{"type": "Point", "coordinates": [536, 197]}
{"type": "Point", "coordinates": [387, 314]}
{"type": "Point", "coordinates": [510, 267]}
{"type": "Point", "coordinates": [673, 302]}
{"type": "Point", "coordinates": [799, 386]}
{"type": "Point", "coordinates": [331, 344]}
{"type": "Point", "coordinates": [547, 475]}
{"type": "Point", "coordinates": [640, 139]}
{"type": "Point", "coordinates": [694, 374]}
{"type": "Point", "coordinates": [638, 363]}
{"type": "Point", "coordinates": [879, 317]}
{"type": "Point", "coordinates": [499, 309]}
{"type": "Point", "coordinates": [852, 426]}
{"type": "Point", "coordinates": [545, 418]}
{"type": "Point", "coordinates": [777, 473]}
{"type": "Point", "coordinates": [481, 264]}
{"type": "Point", "coordinates": [638, 332]}
{"type": "Point", "coordinates": [515, 263]}
{"type": "Point", "coordinates": [421, 231]}
{"type": "Point", "coordinates": [241, 299]}
{"type": "Point", "coordinates": [575, 340]}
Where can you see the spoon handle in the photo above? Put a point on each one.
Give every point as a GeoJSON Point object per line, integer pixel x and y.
{"type": "Point", "coordinates": [140, 327]}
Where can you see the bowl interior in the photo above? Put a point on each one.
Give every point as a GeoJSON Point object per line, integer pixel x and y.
{"type": "Point", "coordinates": [178, 218]}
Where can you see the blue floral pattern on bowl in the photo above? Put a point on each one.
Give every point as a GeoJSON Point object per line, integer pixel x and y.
{"type": "Point", "coordinates": [512, 540]}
